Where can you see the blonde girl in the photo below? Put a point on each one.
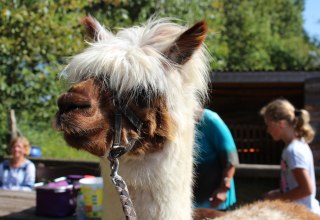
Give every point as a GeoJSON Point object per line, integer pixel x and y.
{"type": "Point", "coordinates": [18, 173]}
{"type": "Point", "coordinates": [290, 125]}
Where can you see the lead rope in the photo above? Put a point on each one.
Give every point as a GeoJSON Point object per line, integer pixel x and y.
{"type": "Point", "coordinates": [116, 151]}
{"type": "Point", "coordinates": [122, 189]}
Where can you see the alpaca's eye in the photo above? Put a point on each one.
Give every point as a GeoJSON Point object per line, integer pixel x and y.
{"type": "Point", "coordinates": [143, 99]}
{"type": "Point", "coordinates": [76, 106]}
{"type": "Point", "coordinates": [142, 102]}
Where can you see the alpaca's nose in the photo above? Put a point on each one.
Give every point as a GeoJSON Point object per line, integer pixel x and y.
{"type": "Point", "coordinates": [72, 101]}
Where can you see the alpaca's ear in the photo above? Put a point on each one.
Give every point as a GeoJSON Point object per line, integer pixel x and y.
{"type": "Point", "coordinates": [183, 47]}
{"type": "Point", "coordinates": [94, 30]}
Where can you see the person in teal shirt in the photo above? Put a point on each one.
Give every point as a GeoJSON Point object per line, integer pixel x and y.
{"type": "Point", "coordinates": [215, 159]}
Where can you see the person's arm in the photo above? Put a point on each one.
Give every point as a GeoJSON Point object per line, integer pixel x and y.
{"type": "Point", "coordinates": [227, 176]}
{"type": "Point", "coordinates": [221, 194]}
{"type": "Point", "coordinates": [1, 175]}
{"type": "Point", "coordinates": [303, 189]}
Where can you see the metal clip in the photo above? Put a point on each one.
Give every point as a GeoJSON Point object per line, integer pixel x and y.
{"type": "Point", "coordinates": [114, 165]}
{"type": "Point", "coordinates": [117, 151]}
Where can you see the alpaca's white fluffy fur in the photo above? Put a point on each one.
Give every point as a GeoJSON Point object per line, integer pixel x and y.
{"type": "Point", "coordinates": [271, 210]}
{"type": "Point", "coordinates": [160, 184]}
{"type": "Point", "coordinates": [132, 60]}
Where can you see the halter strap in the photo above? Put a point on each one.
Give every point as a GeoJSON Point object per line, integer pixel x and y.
{"type": "Point", "coordinates": [128, 114]}
{"type": "Point", "coordinates": [117, 149]}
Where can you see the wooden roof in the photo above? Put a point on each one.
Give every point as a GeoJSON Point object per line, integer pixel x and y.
{"type": "Point", "coordinates": [263, 77]}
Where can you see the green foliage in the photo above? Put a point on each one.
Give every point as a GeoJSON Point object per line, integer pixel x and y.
{"type": "Point", "coordinates": [37, 37]}
{"type": "Point", "coordinates": [265, 35]}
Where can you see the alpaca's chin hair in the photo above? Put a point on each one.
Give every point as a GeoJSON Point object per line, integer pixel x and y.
{"type": "Point", "coordinates": [88, 141]}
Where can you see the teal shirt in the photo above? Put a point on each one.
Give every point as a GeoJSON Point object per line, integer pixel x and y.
{"type": "Point", "coordinates": [215, 151]}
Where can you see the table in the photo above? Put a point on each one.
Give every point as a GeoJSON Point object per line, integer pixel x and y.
{"type": "Point", "coordinates": [18, 205]}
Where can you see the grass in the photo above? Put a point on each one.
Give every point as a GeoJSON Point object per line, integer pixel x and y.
{"type": "Point", "coordinates": [52, 143]}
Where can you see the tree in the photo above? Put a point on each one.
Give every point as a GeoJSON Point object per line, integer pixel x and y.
{"type": "Point", "coordinates": [35, 36]}
{"type": "Point", "coordinates": [265, 35]}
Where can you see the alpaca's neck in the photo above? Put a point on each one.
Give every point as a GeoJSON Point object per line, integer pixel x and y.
{"type": "Point", "coordinates": [160, 184]}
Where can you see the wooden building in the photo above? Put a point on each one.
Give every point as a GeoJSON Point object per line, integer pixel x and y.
{"type": "Point", "coordinates": [238, 96]}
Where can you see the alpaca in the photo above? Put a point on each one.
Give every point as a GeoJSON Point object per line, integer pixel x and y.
{"type": "Point", "coordinates": [158, 75]}
{"type": "Point", "coordinates": [159, 72]}
{"type": "Point", "coordinates": [271, 210]}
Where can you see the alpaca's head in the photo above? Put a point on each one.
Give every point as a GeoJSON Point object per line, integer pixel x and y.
{"type": "Point", "coordinates": [150, 69]}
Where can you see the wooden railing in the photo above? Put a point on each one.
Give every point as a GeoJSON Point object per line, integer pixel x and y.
{"type": "Point", "coordinates": [49, 169]}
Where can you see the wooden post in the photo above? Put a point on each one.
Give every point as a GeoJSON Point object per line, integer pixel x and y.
{"type": "Point", "coordinates": [14, 133]}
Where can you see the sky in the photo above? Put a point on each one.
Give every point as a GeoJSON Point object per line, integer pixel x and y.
{"type": "Point", "coordinates": [311, 17]}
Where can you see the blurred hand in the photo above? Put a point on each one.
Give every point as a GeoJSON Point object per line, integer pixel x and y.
{"type": "Point", "coordinates": [271, 195]}
{"type": "Point", "coordinates": [218, 197]}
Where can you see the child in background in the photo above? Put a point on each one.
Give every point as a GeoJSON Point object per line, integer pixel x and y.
{"type": "Point", "coordinates": [291, 126]}
{"type": "Point", "coordinates": [18, 173]}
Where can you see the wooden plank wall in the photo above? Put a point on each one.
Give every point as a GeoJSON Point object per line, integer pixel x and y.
{"type": "Point", "coordinates": [239, 104]}
{"type": "Point", "coordinates": [312, 104]}
{"type": "Point", "coordinates": [254, 145]}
